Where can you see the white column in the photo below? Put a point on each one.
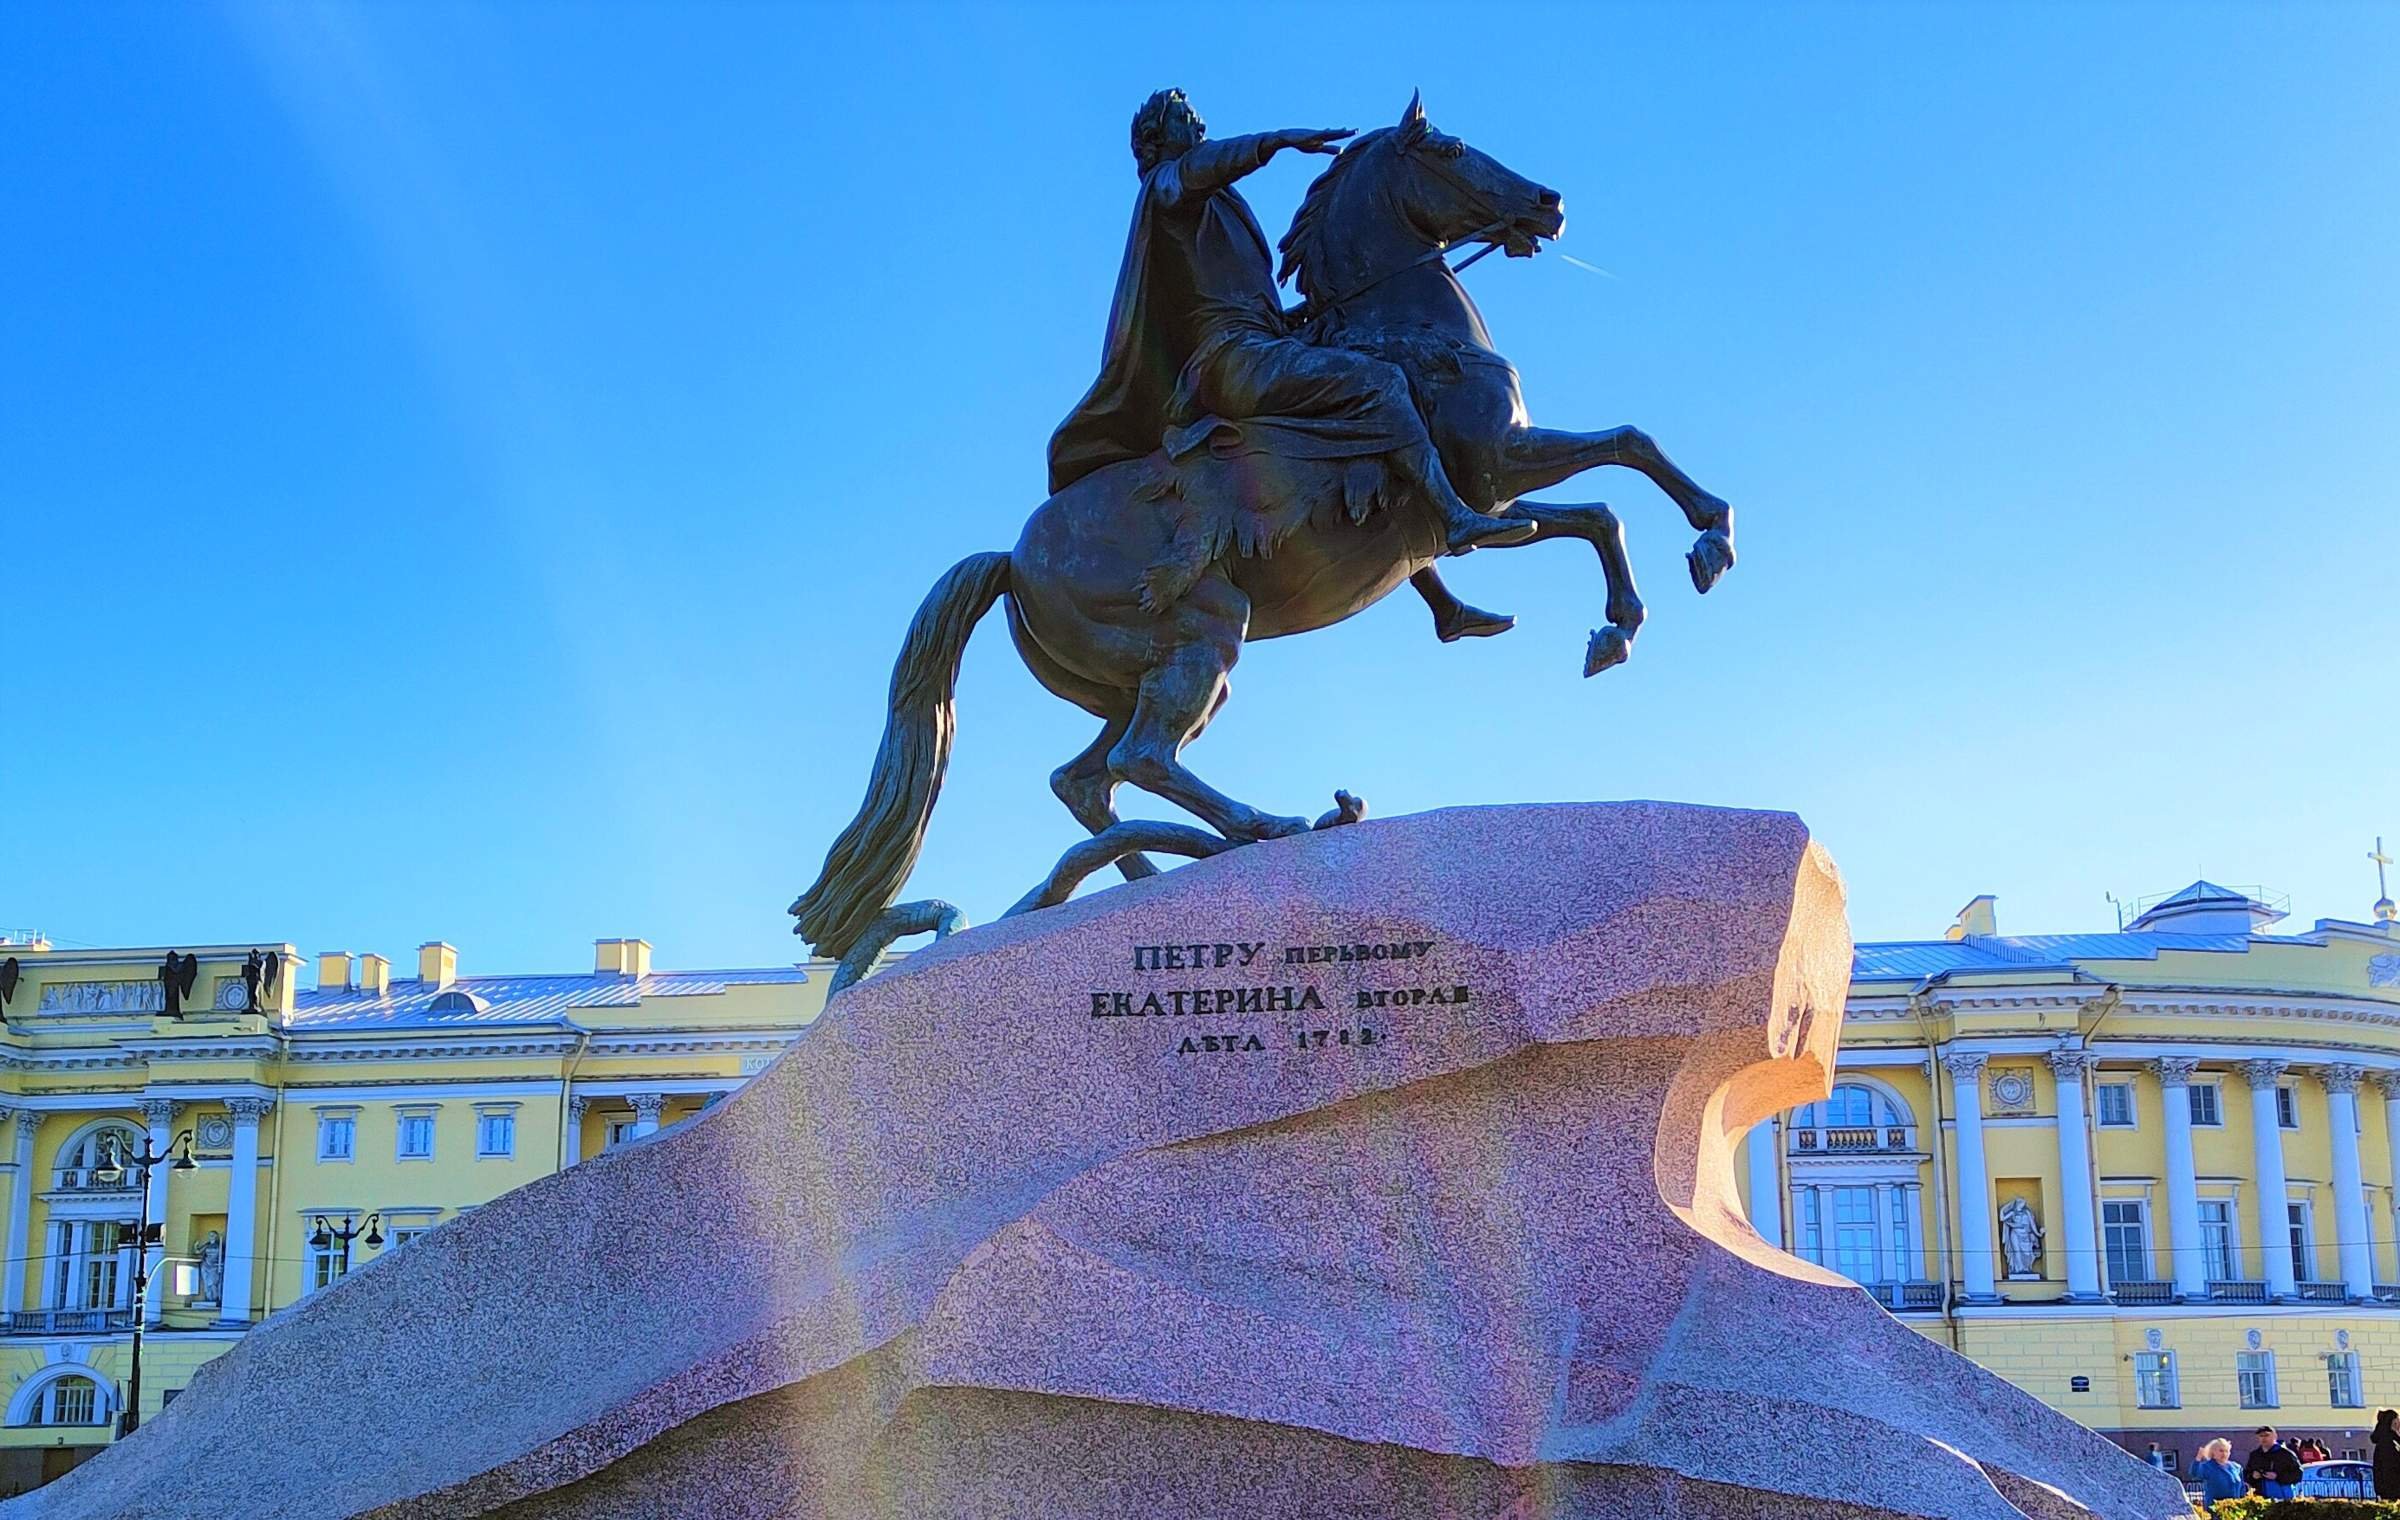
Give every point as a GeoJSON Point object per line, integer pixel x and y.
{"type": "Point", "coordinates": [159, 1114]}
{"type": "Point", "coordinates": [1766, 1186]}
{"type": "Point", "coordinates": [2274, 1229]}
{"type": "Point", "coordinates": [1974, 1185]}
{"type": "Point", "coordinates": [2350, 1244]}
{"type": "Point", "coordinates": [2075, 1173]}
{"type": "Point", "coordinates": [20, 1213]}
{"type": "Point", "coordinates": [646, 1107]}
{"type": "Point", "coordinates": [576, 1108]}
{"type": "Point", "coordinates": [1912, 1208]}
{"type": "Point", "coordinates": [2190, 1269]}
{"type": "Point", "coordinates": [241, 1209]}
{"type": "Point", "coordinates": [2389, 1082]}
{"type": "Point", "coordinates": [1887, 1210]}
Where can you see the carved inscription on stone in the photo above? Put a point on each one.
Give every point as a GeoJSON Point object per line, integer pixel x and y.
{"type": "Point", "coordinates": [1245, 997]}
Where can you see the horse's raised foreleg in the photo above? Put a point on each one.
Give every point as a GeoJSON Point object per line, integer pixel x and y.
{"type": "Point", "coordinates": [1179, 694]}
{"type": "Point", "coordinates": [1536, 458]}
{"type": "Point", "coordinates": [1085, 785]}
{"type": "Point", "coordinates": [1596, 525]}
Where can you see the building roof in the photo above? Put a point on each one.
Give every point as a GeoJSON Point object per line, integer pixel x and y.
{"type": "Point", "coordinates": [481, 1001]}
{"type": "Point", "coordinates": [1912, 959]}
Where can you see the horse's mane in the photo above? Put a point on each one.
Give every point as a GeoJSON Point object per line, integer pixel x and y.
{"type": "Point", "coordinates": [1303, 246]}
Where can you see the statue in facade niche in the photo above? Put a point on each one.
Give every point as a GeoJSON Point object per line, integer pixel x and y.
{"type": "Point", "coordinates": [2020, 1238]}
{"type": "Point", "coordinates": [212, 1268]}
{"type": "Point", "coordinates": [1243, 472]}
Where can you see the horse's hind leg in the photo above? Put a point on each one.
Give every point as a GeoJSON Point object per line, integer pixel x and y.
{"type": "Point", "coordinates": [1088, 789]}
{"type": "Point", "coordinates": [1178, 696]}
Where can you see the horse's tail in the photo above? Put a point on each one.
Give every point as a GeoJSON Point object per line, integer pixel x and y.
{"type": "Point", "coordinates": [871, 860]}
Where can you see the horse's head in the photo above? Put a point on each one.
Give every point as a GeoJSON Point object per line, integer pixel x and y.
{"type": "Point", "coordinates": [1450, 191]}
{"type": "Point", "coordinates": [1404, 188]}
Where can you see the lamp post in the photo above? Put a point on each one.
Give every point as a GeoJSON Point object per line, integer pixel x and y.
{"type": "Point", "coordinates": [326, 1235]}
{"type": "Point", "coordinates": [114, 1167]}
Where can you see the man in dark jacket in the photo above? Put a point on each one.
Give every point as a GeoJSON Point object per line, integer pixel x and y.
{"type": "Point", "coordinates": [2272, 1471]}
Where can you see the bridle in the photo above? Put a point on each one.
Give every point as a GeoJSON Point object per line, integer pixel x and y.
{"type": "Point", "coordinates": [1476, 202]}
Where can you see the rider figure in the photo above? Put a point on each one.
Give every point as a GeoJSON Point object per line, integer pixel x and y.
{"type": "Point", "coordinates": [1197, 329]}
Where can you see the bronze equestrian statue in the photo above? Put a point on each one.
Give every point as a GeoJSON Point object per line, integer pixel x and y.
{"type": "Point", "coordinates": [1241, 472]}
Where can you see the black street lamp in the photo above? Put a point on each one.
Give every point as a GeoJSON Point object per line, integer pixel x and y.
{"type": "Point", "coordinates": [115, 1163]}
{"type": "Point", "coordinates": [326, 1235]}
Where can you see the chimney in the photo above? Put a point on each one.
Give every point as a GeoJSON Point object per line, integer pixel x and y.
{"type": "Point", "coordinates": [1978, 917]}
{"type": "Point", "coordinates": [621, 957]}
{"type": "Point", "coordinates": [437, 963]}
{"type": "Point", "coordinates": [333, 968]}
{"type": "Point", "coordinates": [374, 974]}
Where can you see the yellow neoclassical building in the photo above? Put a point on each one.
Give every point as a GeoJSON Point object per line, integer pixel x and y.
{"type": "Point", "coordinates": [325, 1127]}
{"type": "Point", "coordinates": [2147, 1175]}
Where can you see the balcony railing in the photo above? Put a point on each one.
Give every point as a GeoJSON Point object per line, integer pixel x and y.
{"type": "Point", "coordinates": [1907, 1295]}
{"type": "Point", "coordinates": [2387, 1291]}
{"type": "Point", "coordinates": [1850, 1139]}
{"type": "Point", "coordinates": [2135, 1291]}
{"type": "Point", "coordinates": [2324, 1293]}
{"type": "Point", "coordinates": [2233, 1291]}
{"type": "Point", "coordinates": [89, 1179]}
{"type": "Point", "coordinates": [65, 1321]}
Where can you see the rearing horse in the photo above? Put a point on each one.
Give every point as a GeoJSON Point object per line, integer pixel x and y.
{"type": "Point", "coordinates": [1131, 592]}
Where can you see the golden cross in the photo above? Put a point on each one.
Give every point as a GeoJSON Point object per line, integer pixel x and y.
{"type": "Point", "coordinates": [2382, 887]}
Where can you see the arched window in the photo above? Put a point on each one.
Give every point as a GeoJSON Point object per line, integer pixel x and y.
{"type": "Point", "coordinates": [83, 1157]}
{"type": "Point", "coordinates": [66, 1398]}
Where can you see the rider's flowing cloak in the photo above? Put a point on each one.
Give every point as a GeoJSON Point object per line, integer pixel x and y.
{"type": "Point", "coordinates": [1137, 406]}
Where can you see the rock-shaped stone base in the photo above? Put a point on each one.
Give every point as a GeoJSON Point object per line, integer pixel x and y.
{"type": "Point", "coordinates": [1382, 1171]}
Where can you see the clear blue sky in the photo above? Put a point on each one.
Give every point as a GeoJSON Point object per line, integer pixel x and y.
{"type": "Point", "coordinates": [465, 469]}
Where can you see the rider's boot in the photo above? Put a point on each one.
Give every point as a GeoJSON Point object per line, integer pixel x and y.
{"type": "Point", "coordinates": [1463, 528]}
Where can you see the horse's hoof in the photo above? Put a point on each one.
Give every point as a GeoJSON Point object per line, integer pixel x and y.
{"type": "Point", "coordinates": [1347, 808]}
{"type": "Point", "coordinates": [1710, 558]}
{"type": "Point", "coordinates": [1609, 646]}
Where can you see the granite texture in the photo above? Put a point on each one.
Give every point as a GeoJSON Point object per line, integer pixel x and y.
{"type": "Point", "coordinates": [969, 1249]}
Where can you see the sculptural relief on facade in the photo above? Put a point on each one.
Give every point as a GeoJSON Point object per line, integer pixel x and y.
{"type": "Point", "coordinates": [144, 996]}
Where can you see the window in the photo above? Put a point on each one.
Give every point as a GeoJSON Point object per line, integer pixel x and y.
{"type": "Point", "coordinates": [619, 1131]}
{"type": "Point", "coordinates": [402, 1234]}
{"type": "Point", "coordinates": [2125, 1237]}
{"type": "Point", "coordinates": [1854, 1252]}
{"type": "Point", "coordinates": [2287, 1108]}
{"type": "Point", "coordinates": [2217, 1239]}
{"type": "Point", "coordinates": [2342, 1382]}
{"type": "Point", "coordinates": [86, 1269]}
{"type": "Point", "coordinates": [2205, 1108]}
{"type": "Point", "coordinates": [337, 1137]}
{"type": "Point", "coordinates": [1810, 1228]}
{"type": "Point", "coordinates": [2115, 1104]}
{"type": "Point", "coordinates": [80, 1163]}
{"type": "Point", "coordinates": [495, 1134]}
{"type": "Point", "coordinates": [2303, 1245]}
{"type": "Point", "coordinates": [2254, 1375]}
{"type": "Point", "coordinates": [2154, 1380]}
{"type": "Point", "coordinates": [68, 1401]}
{"type": "Point", "coordinates": [416, 1137]}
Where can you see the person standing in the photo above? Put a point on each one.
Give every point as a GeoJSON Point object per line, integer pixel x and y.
{"type": "Point", "coordinates": [2217, 1476]}
{"type": "Point", "coordinates": [2272, 1471]}
{"type": "Point", "coordinates": [2387, 1454]}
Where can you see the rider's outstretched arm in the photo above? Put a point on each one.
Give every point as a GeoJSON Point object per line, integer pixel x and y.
{"type": "Point", "coordinates": [1212, 165]}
